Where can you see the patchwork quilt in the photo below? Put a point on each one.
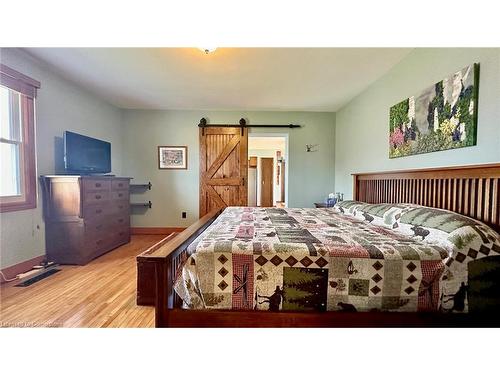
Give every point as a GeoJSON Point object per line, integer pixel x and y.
{"type": "Point", "coordinates": [353, 257]}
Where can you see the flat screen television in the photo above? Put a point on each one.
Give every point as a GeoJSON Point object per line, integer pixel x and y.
{"type": "Point", "coordinates": [86, 155]}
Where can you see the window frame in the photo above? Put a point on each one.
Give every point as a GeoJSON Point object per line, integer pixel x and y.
{"type": "Point", "coordinates": [27, 87]}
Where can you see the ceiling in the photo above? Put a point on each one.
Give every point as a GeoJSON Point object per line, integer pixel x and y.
{"type": "Point", "coordinates": [286, 79]}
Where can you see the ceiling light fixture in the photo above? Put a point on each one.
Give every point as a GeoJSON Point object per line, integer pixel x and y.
{"type": "Point", "coordinates": [208, 50]}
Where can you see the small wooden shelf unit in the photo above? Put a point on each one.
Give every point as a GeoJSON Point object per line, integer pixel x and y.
{"type": "Point", "coordinates": [138, 187]}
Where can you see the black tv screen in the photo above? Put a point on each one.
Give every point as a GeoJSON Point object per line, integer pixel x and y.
{"type": "Point", "coordinates": [86, 155]}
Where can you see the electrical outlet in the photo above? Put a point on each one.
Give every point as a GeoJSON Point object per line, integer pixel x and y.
{"type": "Point", "coordinates": [184, 215]}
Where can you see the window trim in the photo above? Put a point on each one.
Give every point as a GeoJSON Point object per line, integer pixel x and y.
{"type": "Point", "coordinates": [16, 81]}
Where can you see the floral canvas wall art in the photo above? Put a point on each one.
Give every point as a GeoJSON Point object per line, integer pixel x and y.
{"type": "Point", "coordinates": [442, 117]}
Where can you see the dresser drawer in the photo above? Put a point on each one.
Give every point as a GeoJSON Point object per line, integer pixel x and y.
{"type": "Point", "coordinates": [119, 221]}
{"type": "Point", "coordinates": [98, 245]}
{"type": "Point", "coordinates": [96, 211]}
{"type": "Point", "coordinates": [118, 184]}
{"type": "Point", "coordinates": [120, 195]}
{"type": "Point", "coordinates": [96, 197]}
{"type": "Point", "coordinates": [96, 184]}
{"type": "Point", "coordinates": [120, 208]}
{"type": "Point", "coordinates": [120, 236]}
{"type": "Point", "coordinates": [97, 228]}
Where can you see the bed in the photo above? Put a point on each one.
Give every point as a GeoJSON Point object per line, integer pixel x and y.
{"type": "Point", "coordinates": [414, 248]}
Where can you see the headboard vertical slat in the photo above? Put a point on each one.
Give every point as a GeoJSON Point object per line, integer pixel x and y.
{"type": "Point", "coordinates": [389, 190]}
{"type": "Point", "coordinates": [412, 191]}
{"type": "Point", "coordinates": [433, 187]}
{"type": "Point", "coordinates": [441, 193]}
{"type": "Point", "coordinates": [430, 192]}
{"type": "Point", "coordinates": [480, 199]}
{"type": "Point", "coordinates": [472, 190]}
{"type": "Point", "coordinates": [466, 199]}
{"type": "Point", "coordinates": [495, 212]}
{"type": "Point", "coordinates": [395, 191]}
{"type": "Point", "coordinates": [416, 192]}
{"type": "Point", "coordinates": [487, 201]}
{"type": "Point", "coordinates": [449, 194]}
{"type": "Point", "coordinates": [472, 201]}
{"type": "Point", "coordinates": [422, 197]}
{"type": "Point", "coordinates": [454, 195]}
{"type": "Point", "coordinates": [460, 196]}
{"type": "Point", "coordinates": [420, 191]}
{"type": "Point", "coordinates": [427, 192]}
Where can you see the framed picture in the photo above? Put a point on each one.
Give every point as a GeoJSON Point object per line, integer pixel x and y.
{"type": "Point", "coordinates": [172, 157]}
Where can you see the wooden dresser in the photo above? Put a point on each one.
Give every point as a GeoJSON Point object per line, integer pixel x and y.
{"type": "Point", "coordinates": [85, 216]}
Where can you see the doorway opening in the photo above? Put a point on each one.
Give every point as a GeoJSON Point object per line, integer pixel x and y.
{"type": "Point", "coordinates": [267, 170]}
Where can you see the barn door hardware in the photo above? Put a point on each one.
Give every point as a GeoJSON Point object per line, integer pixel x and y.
{"type": "Point", "coordinates": [242, 124]}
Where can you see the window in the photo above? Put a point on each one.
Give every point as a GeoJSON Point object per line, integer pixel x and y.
{"type": "Point", "coordinates": [17, 142]}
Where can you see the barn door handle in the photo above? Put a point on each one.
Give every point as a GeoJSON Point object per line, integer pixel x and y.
{"type": "Point", "coordinates": [243, 181]}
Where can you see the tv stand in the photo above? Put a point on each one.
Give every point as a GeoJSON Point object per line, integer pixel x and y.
{"type": "Point", "coordinates": [85, 216]}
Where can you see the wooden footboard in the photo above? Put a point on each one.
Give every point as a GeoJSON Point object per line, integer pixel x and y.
{"type": "Point", "coordinates": [165, 258]}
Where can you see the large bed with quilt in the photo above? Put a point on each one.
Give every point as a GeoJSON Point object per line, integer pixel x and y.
{"type": "Point", "coordinates": [409, 250]}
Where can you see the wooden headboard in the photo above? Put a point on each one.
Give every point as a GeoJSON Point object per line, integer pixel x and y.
{"type": "Point", "coordinates": [471, 190]}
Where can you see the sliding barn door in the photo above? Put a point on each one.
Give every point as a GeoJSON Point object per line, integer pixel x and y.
{"type": "Point", "coordinates": [223, 168]}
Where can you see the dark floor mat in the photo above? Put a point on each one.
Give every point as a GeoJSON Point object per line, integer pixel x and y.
{"type": "Point", "coordinates": [38, 277]}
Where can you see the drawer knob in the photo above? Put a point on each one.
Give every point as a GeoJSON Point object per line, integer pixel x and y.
{"type": "Point", "coordinates": [120, 184]}
{"type": "Point", "coordinates": [120, 195]}
{"type": "Point", "coordinates": [120, 207]}
{"type": "Point", "coordinates": [120, 220]}
{"type": "Point", "coordinates": [98, 196]}
{"type": "Point", "coordinates": [97, 184]}
{"type": "Point", "coordinates": [98, 211]}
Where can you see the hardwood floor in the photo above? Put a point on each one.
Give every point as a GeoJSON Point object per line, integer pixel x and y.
{"type": "Point", "coordinates": [99, 294]}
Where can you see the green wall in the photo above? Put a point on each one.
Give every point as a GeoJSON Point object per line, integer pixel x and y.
{"type": "Point", "coordinates": [362, 126]}
{"type": "Point", "coordinates": [60, 105]}
{"type": "Point", "coordinates": [311, 175]}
